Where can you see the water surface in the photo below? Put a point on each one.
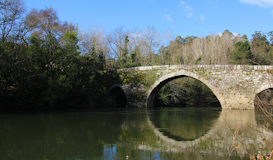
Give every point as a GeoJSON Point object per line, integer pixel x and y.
{"type": "Point", "coordinates": [158, 133]}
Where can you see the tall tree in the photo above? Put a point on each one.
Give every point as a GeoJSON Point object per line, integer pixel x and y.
{"type": "Point", "coordinates": [151, 44]}
{"type": "Point", "coordinates": [94, 38]}
{"type": "Point", "coordinates": [260, 48]}
{"type": "Point", "coordinates": [46, 22]}
{"type": "Point", "coordinates": [71, 42]}
{"type": "Point", "coordinates": [122, 61]}
{"type": "Point", "coordinates": [115, 42]}
{"type": "Point", "coordinates": [11, 19]}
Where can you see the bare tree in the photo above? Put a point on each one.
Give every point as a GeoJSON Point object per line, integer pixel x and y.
{"type": "Point", "coordinates": [136, 38]}
{"type": "Point", "coordinates": [115, 42]}
{"type": "Point", "coordinates": [93, 39]}
{"type": "Point", "coordinates": [46, 22]}
{"type": "Point", "coordinates": [151, 38]}
{"type": "Point", "coordinates": [11, 18]}
{"type": "Point", "coordinates": [214, 49]}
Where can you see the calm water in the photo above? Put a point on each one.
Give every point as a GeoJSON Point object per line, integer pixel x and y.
{"type": "Point", "coordinates": [160, 133]}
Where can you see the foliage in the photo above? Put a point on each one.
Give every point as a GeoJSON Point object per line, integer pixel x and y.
{"type": "Point", "coordinates": [132, 77]}
{"type": "Point", "coordinates": [242, 53]}
{"type": "Point", "coordinates": [198, 60]}
{"type": "Point", "coordinates": [262, 52]}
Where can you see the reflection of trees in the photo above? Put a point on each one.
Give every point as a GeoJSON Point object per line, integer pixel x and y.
{"type": "Point", "coordinates": [184, 124]}
{"type": "Point", "coordinates": [58, 136]}
{"type": "Point", "coordinates": [136, 131]}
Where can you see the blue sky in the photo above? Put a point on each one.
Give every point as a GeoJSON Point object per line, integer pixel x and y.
{"type": "Point", "coordinates": [188, 17]}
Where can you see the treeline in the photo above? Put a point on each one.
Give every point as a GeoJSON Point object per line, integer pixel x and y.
{"type": "Point", "coordinates": [226, 48]}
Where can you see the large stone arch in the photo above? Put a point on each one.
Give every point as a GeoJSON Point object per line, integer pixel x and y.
{"type": "Point", "coordinates": [175, 75]}
{"type": "Point", "coordinates": [116, 96]}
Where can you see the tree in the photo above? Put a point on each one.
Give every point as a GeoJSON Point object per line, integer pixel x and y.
{"type": "Point", "coordinates": [242, 53]}
{"type": "Point", "coordinates": [94, 38]}
{"type": "Point", "coordinates": [260, 48]}
{"type": "Point", "coordinates": [270, 34]}
{"type": "Point", "coordinates": [115, 42]}
{"type": "Point", "coordinates": [122, 61]}
{"type": "Point", "coordinates": [11, 19]}
{"type": "Point", "coordinates": [125, 49]}
{"type": "Point", "coordinates": [46, 22]}
{"type": "Point", "coordinates": [179, 40]}
{"type": "Point", "coordinates": [71, 42]}
{"type": "Point", "coordinates": [151, 44]}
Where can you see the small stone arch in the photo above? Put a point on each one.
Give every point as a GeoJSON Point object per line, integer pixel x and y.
{"type": "Point", "coordinates": [175, 75]}
{"type": "Point", "coordinates": [116, 96]}
{"type": "Point", "coordinates": [264, 87]}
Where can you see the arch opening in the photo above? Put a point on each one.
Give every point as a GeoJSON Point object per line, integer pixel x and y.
{"type": "Point", "coordinates": [264, 99]}
{"type": "Point", "coordinates": [263, 103]}
{"type": "Point", "coordinates": [182, 91]}
{"type": "Point", "coordinates": [117, 98]}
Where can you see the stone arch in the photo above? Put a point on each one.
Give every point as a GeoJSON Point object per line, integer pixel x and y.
{"type": "Point", "coordinates": [264, 87]}
{"type": "Point", "coordinates": [175, 75]}
{"type": "Point", "coordinates": [258, 91]}
{"type": "Point", "coordinates": [116, 96]}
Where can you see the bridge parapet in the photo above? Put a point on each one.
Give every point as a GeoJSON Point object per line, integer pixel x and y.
{"type": "Point", "coordinates": [220, 67]}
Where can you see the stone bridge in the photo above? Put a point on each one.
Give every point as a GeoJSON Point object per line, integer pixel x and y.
{"type": "Point", "coordinates": [235, 86]}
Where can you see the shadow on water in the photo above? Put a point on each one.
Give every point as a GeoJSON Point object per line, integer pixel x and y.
{"type": "Point", "coordinates": [184, 124]}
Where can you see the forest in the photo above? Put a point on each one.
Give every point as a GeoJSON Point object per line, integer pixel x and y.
{"type": "Point", "coordinates": [48, 63]}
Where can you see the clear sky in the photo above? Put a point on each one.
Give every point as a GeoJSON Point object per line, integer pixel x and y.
{"type": "Point", "coordinates": [188, 17]}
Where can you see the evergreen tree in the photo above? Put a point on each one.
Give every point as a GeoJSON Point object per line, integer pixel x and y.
{"type": "Point", "coordinates": [260, 49]}
{"type": "Point", "coordinates": [242, 53]}
{"type": "Point", "coordinates": [71, 41]}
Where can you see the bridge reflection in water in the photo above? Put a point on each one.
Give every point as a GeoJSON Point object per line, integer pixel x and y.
{"type": "Point", "coordinates": [183, 124]}
{"type": "Point", "coordinates": [209, 133]}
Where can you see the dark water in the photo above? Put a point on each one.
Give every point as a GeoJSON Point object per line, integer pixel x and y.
{"type": "Point", "coordinates": [160, 133]}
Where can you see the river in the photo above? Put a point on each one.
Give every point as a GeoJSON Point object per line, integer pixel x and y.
{"type": "Point", "coordinates": [134, 133]}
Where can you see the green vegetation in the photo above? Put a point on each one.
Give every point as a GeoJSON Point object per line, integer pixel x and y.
{"type": "Point", "coordinates": [43, 68]}
{"type": "Point", "coordinates": [242, 53]}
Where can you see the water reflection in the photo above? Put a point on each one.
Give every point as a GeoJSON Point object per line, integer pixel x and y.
{"type": "Point", "coordinates": [184, 124]}
{"type": "Point", "coordinates": [113, 134]}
